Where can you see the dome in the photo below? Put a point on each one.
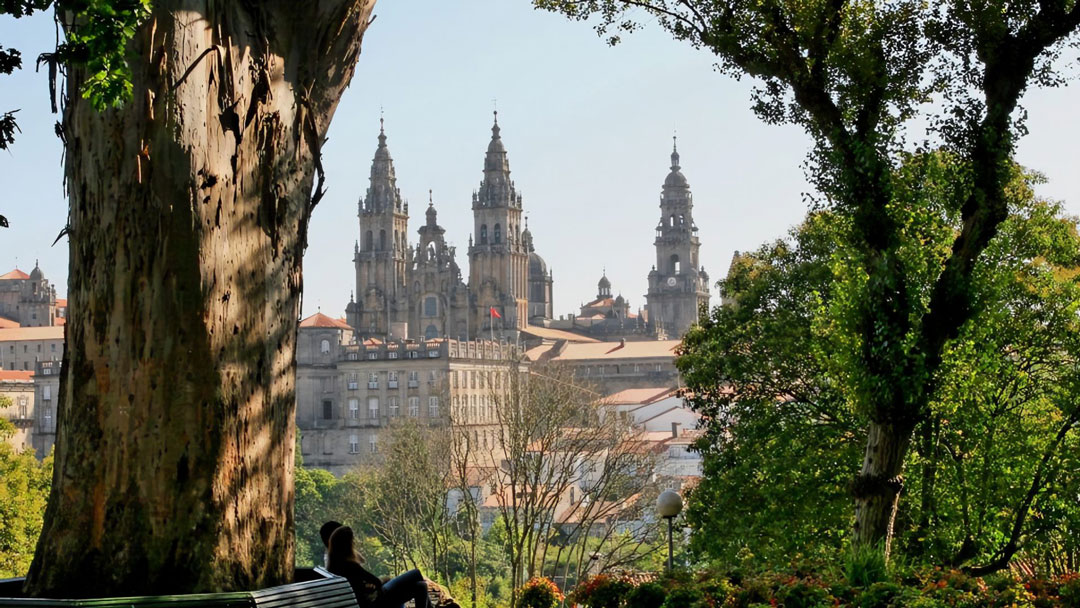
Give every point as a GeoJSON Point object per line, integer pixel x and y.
{"type": "Point", "coordinates": [537, 266]}
{"type": "Point", "coordinates": [604, 283]}
{"type": "Point", "coordinates": [36, 274]}
{"type": "Point", "coordinates": [676, 179]}
{"type": "Point", "coordinates": [620, 300]}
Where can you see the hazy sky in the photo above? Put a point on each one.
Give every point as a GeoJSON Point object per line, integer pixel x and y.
{"type": "Point", "coordinates": [588, 129]}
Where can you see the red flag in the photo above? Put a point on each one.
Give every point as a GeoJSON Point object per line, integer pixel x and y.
{"type": "Point", "coordinates": [495, 313]}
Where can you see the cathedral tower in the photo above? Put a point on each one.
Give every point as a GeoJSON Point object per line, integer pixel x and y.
{"type": "Point", "coordinates": [678, 287]}
{"type": "Point", "coordinates": [498, 257]}
{"type": "Point", "coordinates": [381, 255]}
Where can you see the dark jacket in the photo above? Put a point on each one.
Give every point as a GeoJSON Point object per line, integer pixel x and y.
{"type": "Point", "coordinates": [365, 585]}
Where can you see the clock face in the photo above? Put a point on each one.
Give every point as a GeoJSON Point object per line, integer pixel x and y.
{"type": "Point", "coordinates": [671, 281]}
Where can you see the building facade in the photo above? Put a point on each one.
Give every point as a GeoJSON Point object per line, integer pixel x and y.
{"type": "Point", "coordinates": [418, 292]}
{"type": "Point", "coordinates": [28, 300]}
{"type": "Point", "coordinates": [21, 348]}
{"type": "Point", "coordinates": [678, 284]}
{"type": "Point", "coordinates": [17, 407]}
{"type": "Point", "coordinates": [350, 392]}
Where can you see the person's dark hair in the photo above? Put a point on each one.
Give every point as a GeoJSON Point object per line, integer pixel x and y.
{"type": "Point", "coordinates": [326, 530]}
{"type": "Point", "coordinates": [341, 548]}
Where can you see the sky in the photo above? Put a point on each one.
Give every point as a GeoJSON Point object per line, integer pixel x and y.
{"type": "Point", "coordinates": [588, 129]}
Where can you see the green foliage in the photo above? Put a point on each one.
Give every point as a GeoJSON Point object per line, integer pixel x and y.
{"type": "Point", "coordinates": [865, 565]}
{"type": "Point", "coordinates": [24, 489]}
{"type": "Point", "coordinates": [646, 595]}
{"type": "Point", "coordinates": [602, 591]}
{"type": "Point", "coordinates": [684, 597]}
{"type": "Point", "coordinates": [778, 375]}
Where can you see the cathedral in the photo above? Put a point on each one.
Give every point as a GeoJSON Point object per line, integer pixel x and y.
{"type": "Point", "coordinates": [407, 292]}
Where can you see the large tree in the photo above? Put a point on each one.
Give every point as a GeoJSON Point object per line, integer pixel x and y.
{"type": "Point", "coordinates": [854, 73]}
{"type": "Point", "coordinates": [992, 473]}
{"type": "Point", "coordinates": [189, 210]}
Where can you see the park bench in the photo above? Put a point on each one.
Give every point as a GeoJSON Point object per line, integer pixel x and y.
{"type": "Point", "coordinates": [314, 588]}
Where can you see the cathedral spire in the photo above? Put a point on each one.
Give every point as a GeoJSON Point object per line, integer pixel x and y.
{"type": "Point", "coordinates": [382, 195]}
{"type": "Point", "coordinates": [675, 152]}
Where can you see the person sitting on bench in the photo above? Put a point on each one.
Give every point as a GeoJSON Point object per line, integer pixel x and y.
{"type": "Point", "coordinates": [370, 591]}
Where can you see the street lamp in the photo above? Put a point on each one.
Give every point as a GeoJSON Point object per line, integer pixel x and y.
{"type": "Point", "coordinates": [668, 506]}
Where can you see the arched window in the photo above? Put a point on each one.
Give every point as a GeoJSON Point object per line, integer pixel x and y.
{"type": "Point", "coordinates": [324, 347]}
{"type": "Point", "coordinates": [431, 332]}
{"type": "Point", "coordinates": [671, 221]}
{"type": "Point", "coordinates": [498, 234]}
{"type": "Point", "coordinates": [483, 234]}
{"type": "Point", "coordinates": [368, 242]}
{"type": "Point", "coordinates": [676, 268]}
{"type": "Point", "coordinates": [682, 220]}
{"type": "Point", "coordinates": [382, 240]}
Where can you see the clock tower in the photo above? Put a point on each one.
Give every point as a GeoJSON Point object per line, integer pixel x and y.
{"type": "Point", "coordinates": [678, 285]}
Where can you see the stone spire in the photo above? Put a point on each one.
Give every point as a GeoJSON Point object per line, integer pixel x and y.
{"type": "Point", "coordinates": [382, 195]}
{"type": "Point", "coordinates": [497, 190]}
{"type": "Point", "coordinates": [432, 215]}
{"type": "Point", "coordinates": [675, 179]}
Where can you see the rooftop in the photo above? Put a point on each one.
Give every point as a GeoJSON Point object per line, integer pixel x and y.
{"type": "Point", "coordinates": [55, 332]}
{"type": "Point", "coordinates": [320, 320]}
{"type": "Point", "coordinates": [14, 274]}
{"type": "Point", "coordinates": [546, 333]}
{"type": "Point", "coordinates": [16, 376]}
{"type": "Point", "coordinates": [566, 351]}
{"type": "Point", "coordinates": [634, 396]}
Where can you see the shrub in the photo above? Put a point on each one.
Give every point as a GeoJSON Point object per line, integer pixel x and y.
{"type": "Point", "coordinates": [865, 565]}
{"type": "Point", "coordinates": [540, 593]}
{"type": "Point", "coordinates": [684, 597]}
{"type": "Point", "coordinates": [646, 595]}
{"type": "Point", "coordinates": [1069, 590]}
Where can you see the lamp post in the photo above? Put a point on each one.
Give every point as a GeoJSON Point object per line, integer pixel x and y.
{"type": "Point", "coordinates": [668, 506]}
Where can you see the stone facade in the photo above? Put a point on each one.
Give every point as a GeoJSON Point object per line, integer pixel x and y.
{"type": "Point", "coordinates": [17, 407]}
{"type": "Point", "coordinates": [418, 292]}
{"type": "Point", "coordinates": [46, 400]}
{"type": "Point", "coordinates": [350, 392]}
{"type": "Point", "coordinates": [28, 300]}
{"type": "Point", "coordinates": [678, 285]}
{"type": "Point", "coordinates": [21, 348]}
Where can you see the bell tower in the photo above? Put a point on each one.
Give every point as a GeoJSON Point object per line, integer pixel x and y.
{"type": "Point", "coordinates": [381, 254]}
{"type": "Point", "coordinates": [678, 286]}
{"type": "Point", "coordinates": [498, 256]}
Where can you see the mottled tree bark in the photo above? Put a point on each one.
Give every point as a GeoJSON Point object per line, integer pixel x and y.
{"type": "Point", "coordinates": [189, 209]}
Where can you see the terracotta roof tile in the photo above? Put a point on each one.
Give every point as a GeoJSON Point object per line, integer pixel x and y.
{"type": "Point", "coordinates": [320, 320]}
{"type": "Point", "coordinates": [14, 274]}
{"type": "Point", "coordinates": [644, 349]}
{"type": "Point", "coordinates": [8, 323]}
{"type": "Point", "coordinates": [56, 332]}
{"type": "Point", "coordinates": [632, 396]}
{"type": "Point", "coordinates": [16, 375]}
{"type": "Point", "coordinates": [546, 333]}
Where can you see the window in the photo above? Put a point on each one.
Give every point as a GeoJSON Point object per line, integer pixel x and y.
{"type": "Point", "coordinates": [433, 354]}
{"type": "Point", "coordinates": [47, 415]}
{"type": "Point", "coordinates": [369, 243]}
{"type": "Point", "coordinates": [354, 356]}
{"type": "Point", "coordinates": [453, 379]}
{"type": "Point", "coordinates": [433, 407]}
{"type": "Point", "coordinates": [372, 447]}
{"type": "Point", "coordinates": [354, 444]}
{"type": "Point", "coordinates": [414, 406]}
{"type": "Point", "coordinates": [46, 393]}
{"type": "Point", "coordinates": [45, 371]}
{"type": "Point", "coordinates": [327, 409]}
{"type": "Point", "coordinates": [391, 379]}
{"type": "Point", "coordinates": [353, 382]}
{"type": "Point", "coordinates": [414, 354]}
{"type": "Point", "coordinates": [22, 407]}
{"type": "Point", "coordinates": [382, 240]}
{"type": "Point", "coordinates": [431, 306]}
{"type": "Point", "coordinates": [395, 409]}
{"type": "Point", "coordinates": [372, 355]}
{"type": "Point", "coordinates": [433, 376]}
{"type": "Point", "coordinates": [324, 347]}
{"type": "Point", "coordinates": [498, 234]}
{"type": "Point", "coordinates": [472, 379]}
{"type": "Point", "coordinates": [430, 333]}
{"type": "Point", "coordinates": [392, 355]}
{"type": "Point", "coordinates": [483, 381]}
{"type": "Point", "coordinates": [52, 347]}
{"type": "Point", "coordinates": [354, 408]}
{"type": "Point", "coordinates": [675, 266]}
{"type": "Point", "coordinates": [414, 379]}
{"type": "Point", "coordinates": [373, 408]}
{"type": "Point", "coordinates": [483, 234]}
{"type": "Point", "coordinates": [373, 380]}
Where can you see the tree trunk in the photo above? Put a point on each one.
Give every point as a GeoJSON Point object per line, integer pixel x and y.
{"type": "Point", "coordinates": [189, 209]}
{"type": "Point", "coordinates": [877, 486]}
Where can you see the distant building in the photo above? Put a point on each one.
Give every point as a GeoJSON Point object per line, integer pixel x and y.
{"type": "Point", "coordinates": [349, 393]}
{"type": "Point", "coordinates": [418, 293]}
{"type": "Point", "coordinates": [28, 300]}
{"type": "Point", "coordinates": [46, 398]}
{"type": "Point", "coordinates": [611, 367]}
{"type": "Point", "coordinates": [21, 348]}
{"type": "Point", "coordinates": [678, 285]}
{"type": "Point", "coordinates": [18, 388]}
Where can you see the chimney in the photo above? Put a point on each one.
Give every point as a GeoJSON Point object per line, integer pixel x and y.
{"type": "Point", "coordinates": [674, 430]}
